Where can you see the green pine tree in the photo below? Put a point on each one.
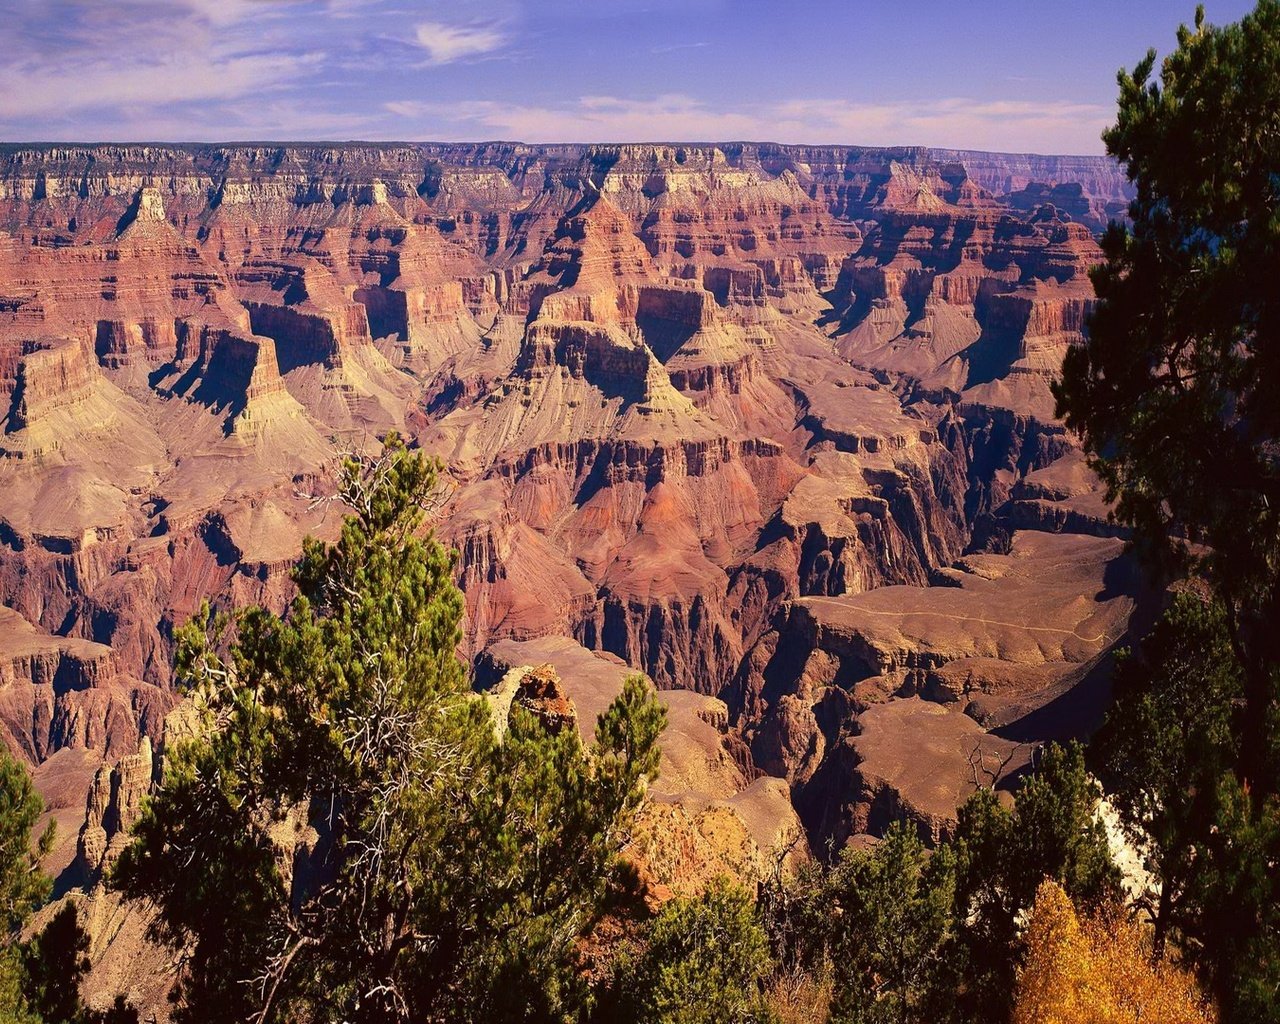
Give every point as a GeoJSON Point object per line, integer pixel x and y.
{"type": "Point", "coordinates": [23, 885]}
{"type": "Point", "coordinates": [1166, 745]}
{"type": "Point", "coordinates": [894, 906]}
{"type": "Point", "coordinates": [1174, 393]}
{"type": "Point", "coordinates": [351, 839]}
{"type": "Point", "coordinates": [702, 960]}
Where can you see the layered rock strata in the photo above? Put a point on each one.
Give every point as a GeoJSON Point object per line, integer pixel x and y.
{"type": "Point", "coordinates": [701, 408]}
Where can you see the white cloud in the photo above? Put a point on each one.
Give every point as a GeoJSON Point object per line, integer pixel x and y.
{"type": "Point", "coordinates": [141, 56]}
{"type": "Point", "coordinates": [249, 119]}
{"type": "Point", "coordinates": [950, 123]}
{"type": "Point", "coordinates": [447, 43]}
{"type": "Point", "coordinates": [34, 91]}
{"type": "Point", "coordinates": [589, 119]}
{"type": "Point", "coordinates": [673, 47]}
{"type": "Point", "coordinates": [299, 68]}
{"type": "Point", "coordinates": [224, 12]}
{"type": "Point", "coordinates": [953, 123]}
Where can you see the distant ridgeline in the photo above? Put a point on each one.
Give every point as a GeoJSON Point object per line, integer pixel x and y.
{"type": "Point", "coordinates": [840, 175]}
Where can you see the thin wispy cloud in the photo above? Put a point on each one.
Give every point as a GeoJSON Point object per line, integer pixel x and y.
{"type": "Point", "coordinates": [144, 54]}
{"type": "Point", "coordinates": [27, 91]}
{"type": "Point", "coordinates": [951, 123]}
{"type": "Point", "coordinates": [589, 119]}
{"type": "Point", "coordinates": [447, 43]}
{"type": "Point", "coordinates": [957, 123]}
{"type": "Point", "coordinates": [674, 47]}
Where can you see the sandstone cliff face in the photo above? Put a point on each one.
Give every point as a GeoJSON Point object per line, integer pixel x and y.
{"type": "Point", "coordinates": [682, 393]}
{"type": "Point", "coordinates": [114, 805]}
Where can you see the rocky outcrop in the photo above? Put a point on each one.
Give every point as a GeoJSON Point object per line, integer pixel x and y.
{"type": "Point", "coordinates": [1099, 178]}
{"type": "Point", "coordinates": [969, 302]}
{"type": "Point", "coordinates": [536, 689]}
{"type": "Point", "coordinates": [709, 812]}
{"type": "Point", "coordinates": [898, 702]}
{"type": "Point", "coordinates": [69, 693]}
{"type": "Point", "coordinates": [115, 803]}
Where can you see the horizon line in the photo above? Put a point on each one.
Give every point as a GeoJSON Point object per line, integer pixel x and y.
{"type": "Point", "coordinates": [389, 143]}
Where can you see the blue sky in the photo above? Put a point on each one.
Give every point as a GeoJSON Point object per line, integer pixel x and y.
{"type": "Point", "coordinates": [1010, 75]}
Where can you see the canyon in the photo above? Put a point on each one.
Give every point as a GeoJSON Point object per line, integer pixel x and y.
{"type": "Point", "coordinates": [770, 424]}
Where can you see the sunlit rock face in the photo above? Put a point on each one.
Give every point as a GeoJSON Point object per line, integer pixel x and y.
{"type": "Point", "coordinates": [766, 423]}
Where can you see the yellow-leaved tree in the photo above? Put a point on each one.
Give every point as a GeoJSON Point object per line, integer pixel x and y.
{"type": "Point", "coordinates": [1098, 971]}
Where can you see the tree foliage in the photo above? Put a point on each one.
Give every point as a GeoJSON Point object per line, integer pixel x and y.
{"type": "Point", "coordinates": [351, 838]}
{"type": "Point", "coordinates": [1053, 831]}
{"type": "Point", "coordinates": [912, 935]}
{"type": "Point", "coordinates": [1174, 394]}
{"type": "Point", "coordinates": [1165, 748]}
{"type": "Point", "coordinates": [897, 901]}
{"type": "Point", "coordinates": [1097, 971]}
{"type": "Point", "coordinates": [702, 960]}
{"type": "Point", "coordinates": [552, 818]}
{"type": "Point", "coordinates": [39, 978]}
{"type": "Point", "coordinates": [23, 886]}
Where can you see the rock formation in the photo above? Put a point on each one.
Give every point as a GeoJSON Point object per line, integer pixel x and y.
{"type": "Point", "coordinates": [115, 803]}
{"type": "Point", "coordinates": [706, 815]}
{"type": "Point", "coordinates": [769, 424]}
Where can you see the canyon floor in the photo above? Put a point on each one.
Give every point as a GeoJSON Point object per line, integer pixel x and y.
{"type": "Point", "coordinates": [770, 424]}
